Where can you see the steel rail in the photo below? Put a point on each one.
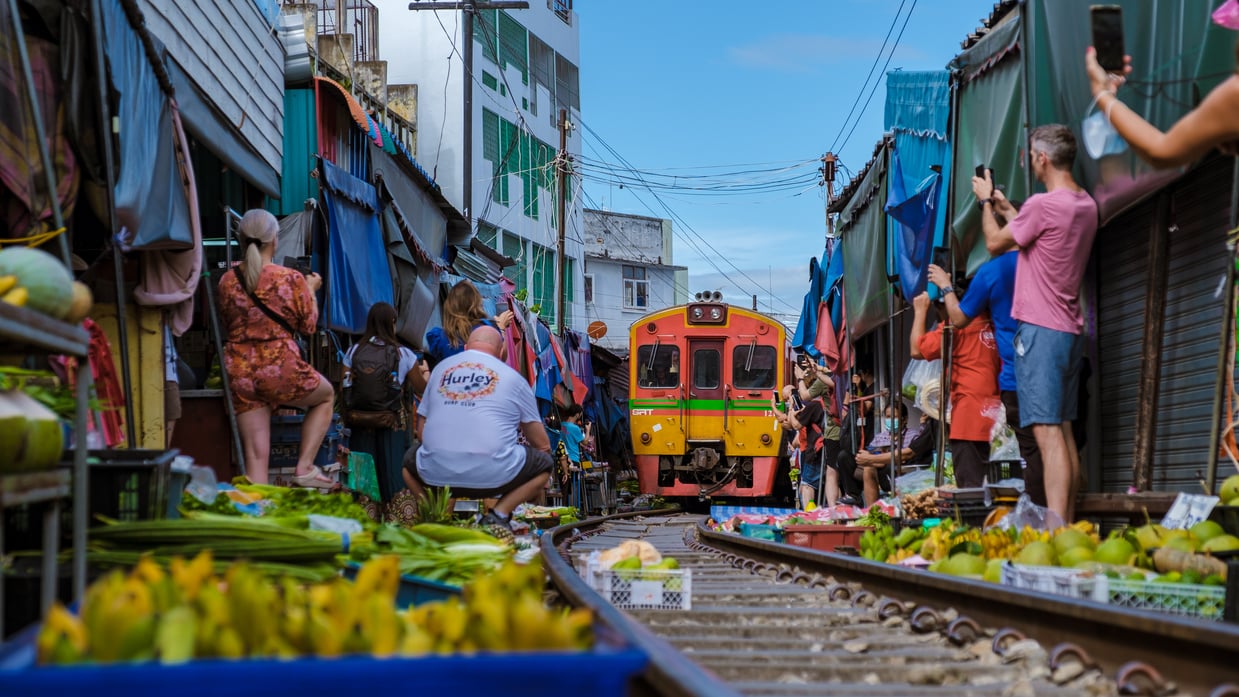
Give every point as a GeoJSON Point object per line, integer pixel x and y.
{"type": "Point", "coordinates": [1198, 656]}
{"type": "Point", "coordinates": [669, 673]}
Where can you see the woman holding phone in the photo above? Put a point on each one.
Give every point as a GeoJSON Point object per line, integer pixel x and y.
{"type": "Point", "coordinates": [1212, 124]}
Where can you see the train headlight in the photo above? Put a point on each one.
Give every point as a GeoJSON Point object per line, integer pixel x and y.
{"type": "Point", "coordinates": [698, 313]}
{"type": "Point", "coordinates": [716, 313]}
{"type": "Point", "coordinates": [645, 439]}
{"type": "Point", "coordinates": [765, 439]}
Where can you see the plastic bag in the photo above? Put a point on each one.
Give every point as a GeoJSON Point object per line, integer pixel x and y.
{"type": "Point", "coordinates": [362, 476]}
{"type": "Point", "coordinates": [1227, 15]}
{"type": "Point", "coordinates": [915, 481]}
{"type": "Point", "coordinates": [202, 484]}
{"type": "Point", "coordinates": [1003, 445]}
{"type": "Point", "coordinates": [917, 374]}
{"type": "Point", "coordinates": [1029, 514]}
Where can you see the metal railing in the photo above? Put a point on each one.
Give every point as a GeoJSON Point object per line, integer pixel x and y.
{"type": "Point", "coordinates": [561, 8]}
{"type": "Point", "coordinates": [357, 17]}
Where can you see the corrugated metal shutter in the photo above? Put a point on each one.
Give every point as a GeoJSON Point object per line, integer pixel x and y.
{"type": "Point", "coordinates": [1197, 261]}
{"type": "Point", "coordinates": [1123, 250]}
{"type": "Point", "coordinates": [1200, 209]}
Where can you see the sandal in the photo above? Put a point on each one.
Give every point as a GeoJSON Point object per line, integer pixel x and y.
{"type": "Point", "coordinates": [314, 479]}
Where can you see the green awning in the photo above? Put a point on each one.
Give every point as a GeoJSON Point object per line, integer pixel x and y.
{"type": "Point", "coordinates": [862, 232]}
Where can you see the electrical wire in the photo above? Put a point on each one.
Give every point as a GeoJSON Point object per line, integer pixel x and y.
{"type": "Point", "coordinates": [868, 76]}
{"type": "Point", "coordinates": [884, 66]}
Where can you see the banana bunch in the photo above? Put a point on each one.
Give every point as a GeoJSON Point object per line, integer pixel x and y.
{"type": "Point", "coordinates": [877, 544]}
{"type": "Point", "coordinates": [12, 293]}
{"type": "Point", "coordinates": [188, 612]}
{"type": "Point", "coordinates": [502, 611]}
{"type": "Point", "coordinates": [949, 535]}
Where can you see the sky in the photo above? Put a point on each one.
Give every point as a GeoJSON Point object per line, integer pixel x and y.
{"type": "Point", "coordinates": [723, 109]}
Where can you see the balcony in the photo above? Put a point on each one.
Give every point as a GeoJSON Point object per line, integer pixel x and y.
{"type": "Point", "coordinates": [562, 9]}
{"type": "Point", "coordinates": [359, 18]}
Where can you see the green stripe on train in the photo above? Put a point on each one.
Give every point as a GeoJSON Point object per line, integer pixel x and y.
{"type": "Point", "coordinates": [700, 404]}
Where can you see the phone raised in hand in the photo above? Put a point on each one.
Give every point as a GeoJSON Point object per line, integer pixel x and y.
{"type": "Point", "coordinates": [299, 264]}
{"type": "Point", "coordinates": [1107, 21]}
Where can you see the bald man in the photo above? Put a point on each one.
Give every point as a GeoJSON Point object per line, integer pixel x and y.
{"type": "Point", "coordinates": [467, 423]}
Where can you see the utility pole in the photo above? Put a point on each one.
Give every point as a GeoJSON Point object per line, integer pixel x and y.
{"type": "Point", "coordinates": [829, 162]}
{"type": "Point", "coordinates": [468, 9]}
{"type": "Point", "coordinates": [562, 170]}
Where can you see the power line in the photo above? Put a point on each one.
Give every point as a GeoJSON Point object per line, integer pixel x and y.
{"type": "Point", "coordinates": [855, 102]}
{"type": "Point", "coordinates": [884, 66]}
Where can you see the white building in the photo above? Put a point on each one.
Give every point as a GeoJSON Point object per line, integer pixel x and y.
{"type": "Point", "coordinates": [628, 273]}
{"type": "Point", "coordinates": [525, 70]}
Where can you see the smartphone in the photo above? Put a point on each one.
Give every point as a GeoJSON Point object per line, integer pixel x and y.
{"type": "Point", "coordinates": [301, 264]}
{"type": "Point", "coordinates": [942, 258]}
{"type": "Point", "coordinates": [796, 404]}
{"type": "Point", "coordinates": [1108, 36]}
{"type": "Point", "coordinates": [778, 398]}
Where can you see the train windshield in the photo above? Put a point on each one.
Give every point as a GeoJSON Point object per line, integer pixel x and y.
{"type": "Point", "coordinates": [658, 366]}
{"type": "Point", "coordinates": [707, 369]}
{"type": "Point", "coordinates": [753, 367]}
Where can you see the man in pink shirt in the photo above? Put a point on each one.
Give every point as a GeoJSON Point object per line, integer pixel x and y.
{"type": "Point", "coordinates": [1054, 232]}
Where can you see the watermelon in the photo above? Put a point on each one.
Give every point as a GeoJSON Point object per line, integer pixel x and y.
{"type": "Point", "coordinates": [44, 277]}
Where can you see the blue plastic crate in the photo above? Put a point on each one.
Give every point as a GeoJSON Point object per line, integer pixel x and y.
{"type": "Point", "coordinates": [413, 590]}
{"type": "Point", "coordinates": [286, 428]}
{"type": "Point", "coordinates": [603, 672]}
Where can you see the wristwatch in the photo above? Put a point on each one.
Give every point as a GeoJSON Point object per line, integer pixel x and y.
{"type": "Point", "coordinates": [946, 289]}
{"type": "Point", "coordinates": [981, 202]}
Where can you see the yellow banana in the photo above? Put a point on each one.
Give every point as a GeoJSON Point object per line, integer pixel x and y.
{"type": "Point", "coordinates": [17, 296]}
{"type": "Point", "coordinates": [7, 283]}
{"type": "Point", "coordinates": [379, 575]}
{"type": "Point", "coordinates": [175, 637]}
{"type": "Point", "coordinates": [416, 642]}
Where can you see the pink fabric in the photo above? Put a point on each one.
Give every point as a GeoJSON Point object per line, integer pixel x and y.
{"type": "Point", "coordinates": [1055, 232]}
{"type": "Point", "coordinates": [170, 278]}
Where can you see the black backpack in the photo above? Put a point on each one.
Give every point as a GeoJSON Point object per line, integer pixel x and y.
{"type": "Point", "coordinates": [375, 385]}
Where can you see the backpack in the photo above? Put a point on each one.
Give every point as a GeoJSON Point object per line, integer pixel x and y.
{"type": "Point", "coordinates": [373, 400]}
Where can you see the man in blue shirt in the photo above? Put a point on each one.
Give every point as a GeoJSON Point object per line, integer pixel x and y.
{"type": "Point", "coordinates": [992, 289]}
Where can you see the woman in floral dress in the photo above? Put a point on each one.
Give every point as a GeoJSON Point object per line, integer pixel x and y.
{"type": "Point", "coordinates": [264, 365]}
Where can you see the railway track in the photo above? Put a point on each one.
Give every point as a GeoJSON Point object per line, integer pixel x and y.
{"type": "Point", "coordinates": [779, 621]}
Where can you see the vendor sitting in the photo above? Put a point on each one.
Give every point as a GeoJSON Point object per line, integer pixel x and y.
{"type": "Point", "coordinates": [467, 424]}
{"type": "Point", "coordinates": [872, 463]}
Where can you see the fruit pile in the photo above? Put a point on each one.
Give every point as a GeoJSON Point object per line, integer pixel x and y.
{"type": "Point", "coordinates": [188, 612]}
{"type": "Point", "coordinates": [33, 278]}
{"type": "Point", "coordinates": [638, 560]}
{"type": "Point", "coordinates": [1229, 492]}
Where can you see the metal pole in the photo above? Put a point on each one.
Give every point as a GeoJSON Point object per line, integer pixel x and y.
{"type": "Point", "coordinates": [1223, 352]}
{"type": "Point", "coordinates": [466, 53]}
{"type": "Point", "coordinates": [238, 450]}
{"type": "Point", "coordinates": [562, 171]}
{"type": "Point", "coordinates": [32, 98]}
{"type": "Point", "coordinates": [81, 475]}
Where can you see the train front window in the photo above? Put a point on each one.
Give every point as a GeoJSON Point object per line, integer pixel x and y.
{"type": "Point", "coordinates": [658, 366]}
{"type": "Point", "coordinates": [753, 367]}
{"type": "Point", "coordinates": [707, 368]}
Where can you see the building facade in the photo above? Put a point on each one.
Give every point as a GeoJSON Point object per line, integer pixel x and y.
{"type": "Point", "coordinates": [628, 273]}
{"type": "Point", "coordinates": [525, 71]}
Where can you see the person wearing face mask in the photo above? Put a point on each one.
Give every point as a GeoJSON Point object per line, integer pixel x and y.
{"type": "Point", "coordinates": [974, 384]}
{"type": "Point", "coordinates": [871, 466]}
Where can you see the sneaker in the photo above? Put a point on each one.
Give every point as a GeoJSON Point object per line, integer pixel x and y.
{"type": "Point", "coordinates": [850, 501]}
{"type": "Point", "coordinates": [491, 518]}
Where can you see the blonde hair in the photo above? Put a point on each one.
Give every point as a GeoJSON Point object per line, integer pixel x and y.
{"type": "Point", "coordinates": [257, 228]}
{"type": "Point", "coordinates": [462, 309]}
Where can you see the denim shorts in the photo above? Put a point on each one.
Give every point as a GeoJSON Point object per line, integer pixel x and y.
{"type": "Point", "coordinates": [1047, 374]}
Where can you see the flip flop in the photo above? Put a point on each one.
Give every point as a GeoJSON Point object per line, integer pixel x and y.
{"type": "Point", "coordinates": [314, 479]}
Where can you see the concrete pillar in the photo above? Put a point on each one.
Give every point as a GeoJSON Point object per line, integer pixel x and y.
{"type": "Point", "coordinates": [402, 101]}
{"type": "Point", "coordinates": [337, 50]}
{"type": "Point", "coordinates": [371, 78]}
{"type": "Point", "coordinates": [309, 15]}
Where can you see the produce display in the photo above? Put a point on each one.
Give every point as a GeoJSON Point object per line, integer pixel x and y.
{"type": "Point", "coordinates": [445, 553]}
{"type": "Point", "coordinates": [921, 505]}
{"type": "Point", "coordinates": [1229, 493]}
{"type": "Point", "coordinates": [245, 498]}
{"type": "Point", "coordinates": [192, 611]}
{"type": "Point", "coordinates": [31, 435]}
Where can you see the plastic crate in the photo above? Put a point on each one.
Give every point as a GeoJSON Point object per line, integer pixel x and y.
{"type": "Point", "coordinates": [602, 672]}
{"type": "Point", "coordinates": [129, 484]}
{"type": "Point", "coordinates": [824, 537]}
{"type": "Point", "coordinates": [1187, 599]}
{"type": "Point", "coordinates": [639, 589]}
{"type": "Point", "coordinates": [286, 454]}
{"type": "Point", "coordinates": [413, 590]}
{"type": "Point", "coordinates": [286, 428]}
{"type": "Point", "coordinates": [999, 470]}
{"type": "Point", "coordinates": [1072, 583]}
{"type": "Point", "coordinates": [761, 532]}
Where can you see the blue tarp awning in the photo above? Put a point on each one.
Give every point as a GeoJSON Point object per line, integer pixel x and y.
{"type": "Point", "coordinates": [358, 274]}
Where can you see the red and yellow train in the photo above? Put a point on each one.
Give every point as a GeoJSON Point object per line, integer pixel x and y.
{"type": "Point", "coordinates": [700, 381]}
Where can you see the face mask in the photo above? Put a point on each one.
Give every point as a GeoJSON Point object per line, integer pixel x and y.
{"type": "Point", "coordinates": [1227, 15]}
{"type": "Point", "coordinates": [1100, 138]}
{"type": "Point", "coordinates": [890, 424]}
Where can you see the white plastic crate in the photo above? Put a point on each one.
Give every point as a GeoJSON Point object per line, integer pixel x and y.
{"type": "Point", "coordinates": [639, 589]}
{"type": "Point", "coordinates": [1187, 599]}
{"type": "Point", "coordinates": [1072, 583]}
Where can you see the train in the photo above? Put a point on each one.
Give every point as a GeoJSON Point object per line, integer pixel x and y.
{"type": "Point", "coordinates": [701, 376]}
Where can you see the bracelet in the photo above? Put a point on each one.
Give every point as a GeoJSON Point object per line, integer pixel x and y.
{"type": "Point", "coordinates": [947, 289]}
{"type": "Point", "coordinates": [981, 202]}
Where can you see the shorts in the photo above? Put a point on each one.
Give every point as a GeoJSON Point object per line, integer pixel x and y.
{"type": "Point", "coordinates": [171, 401]}
{"type": "Point", "coordinates": [970, 459]}
{"type": "Point", "coordinates": [811, 468]}
{"type": "Point", "coordinates": [1047, 374]}
{"type": "Point", "coordinates": [537, 462]}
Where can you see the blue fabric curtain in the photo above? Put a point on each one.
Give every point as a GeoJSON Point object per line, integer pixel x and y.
{"type": "Point", "coordinates": [915, 217]}
{"type": "Point", "coordinates": [806, 328]}
{"type": "Point", "coordinates": [358, 275]}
